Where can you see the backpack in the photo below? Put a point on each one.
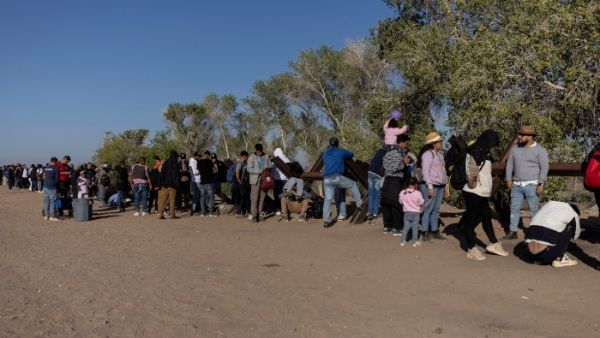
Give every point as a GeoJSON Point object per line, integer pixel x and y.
{"type": "Point", "coordinates": [231, 173]}
{"type": "Point", "coordinates": [591, 170]}
{"type": "Point", "coordinates": [266, 181]}
{"type": "Point", "coordinates": [455, 160]}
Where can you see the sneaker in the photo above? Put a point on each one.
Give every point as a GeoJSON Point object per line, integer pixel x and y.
{"type": "Point", "coordinates": [425, 236]}
{"type": "Point", "coordinates": [144, 213]}
{"type": "Point", "coordinates": [403, 243]}
{"type": "Point", "coordinates": [284, 219]}
{"type": "Point", "coordinates": [278, 213]}
{"type": "Point", "coordinates": [396, 232]}
{"type": "Point", "coordinates": [302, 219]}
{"type": "Point", "coordinates": [250, 217]}
{"type": "Point", "coordinates": [387, 231]}
{"type": "Point", "coordinates": [475, 254]}
{"type": "Point", "coordinates": [255, 220]}
{"type": "Point", "coordinates": [329, 224]}
{"type": "Point", "coordinates": [136, 213]}
{"type": "Point", "coordinates": [203, 214]}
{"type": "Point", "coordinates": [341, 218]}
{"type": "Point", "coordinates": [212, 215]}
{"type": "Point", "coordinates": [46, 218]}
{"type": "Point", "coordinates": [416, 244]}
{"type": "Point", "coordinates": [496, 249]}
{"type": "Point", "coordinates": [53, 219]}
{"type": "Point", "coordinates": [565, 261]}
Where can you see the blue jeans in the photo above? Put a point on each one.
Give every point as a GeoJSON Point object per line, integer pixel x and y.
{"type": "Point", "coordinates": [207, 196]}
{"type": "Point", "coordinates": [340, 202]}
{"type": "Point", "coordinates": [516, 201]}
{"type": "Point", "coordinates": [49, 202]}
{"type": "Point", "coordinates": [140, 189]}
{"type": "Point", "coordinates": [374, 193]}
{"type": "Point", "coordinates": [338, 182]}
{"type": "Point", "coordinates": [431, 214]}
{"type": "Point", "coordinates": [411, 222]}
{"type": "Point", "coordinates": [195, 187]}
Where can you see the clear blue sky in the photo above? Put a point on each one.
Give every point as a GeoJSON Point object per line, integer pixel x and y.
{"type": "Point", "coordinates": [71, 70]}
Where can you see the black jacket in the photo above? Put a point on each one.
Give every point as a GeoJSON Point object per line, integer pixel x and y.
{"type": "Point", "coordinates": [169, 174]}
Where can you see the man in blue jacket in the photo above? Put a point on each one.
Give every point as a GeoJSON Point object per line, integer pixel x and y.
{"type": "Point", "coordinates": [333, 177]}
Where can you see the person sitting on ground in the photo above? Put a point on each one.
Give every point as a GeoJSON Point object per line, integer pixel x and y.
{"type": "Point", "coordinates": [550, 233]}
{"type": "Point", "coordinates": [294, 200]}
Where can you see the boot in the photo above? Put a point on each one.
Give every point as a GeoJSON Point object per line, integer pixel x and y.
{"type": "Point", "coordinates": [425, 236]}
{"type": "Point", "coordinates": [437, 235]}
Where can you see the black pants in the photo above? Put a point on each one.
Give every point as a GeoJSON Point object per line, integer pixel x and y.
{"type": "Point", "coordinates": [392, 216]}
{"type": "Point", "coordinates": [183, 195]}
{"type": "Point", "coordinates": [244, 206]}
{"type": "Point", "coordinates": [597, 195]}
{"type": "Point", "coordinates": [557, 251]}
{"type": "Point", "coordinates": [153, 200]}
{"type": "Point", "coordinates": [477, 207]}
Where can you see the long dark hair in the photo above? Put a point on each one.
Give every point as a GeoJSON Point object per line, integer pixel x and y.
{"type": "Point", "coordinates": [421, 152]}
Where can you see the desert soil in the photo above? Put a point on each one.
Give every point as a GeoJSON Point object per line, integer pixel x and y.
{"type": "Point", "coordinates": [125, 276]}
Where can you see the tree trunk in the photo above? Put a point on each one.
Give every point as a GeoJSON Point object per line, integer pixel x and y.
{"type": "Point", "coordinates": [224, 140]}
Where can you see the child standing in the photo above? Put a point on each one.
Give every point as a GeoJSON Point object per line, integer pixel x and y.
{"type": "Point", "coordinates": [83, 189]}
{"type": "Point", "coordinates": [412, 204]}
{"type": "Point", "coordinates": [391, 129]}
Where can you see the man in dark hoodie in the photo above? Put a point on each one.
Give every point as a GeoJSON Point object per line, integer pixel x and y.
{"type": "Point", "coordinates": [169, 181]}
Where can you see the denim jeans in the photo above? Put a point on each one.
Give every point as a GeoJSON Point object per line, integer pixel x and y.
{"type": "Point", "coordinates": [340, 202]}
{"type": "Point", "coordinates": [49, 202]}
{"type": "Point", "coordinates": [338, 182]}
{"type": "Point", "coordinates": [516, 201]}
{"type": "Point", "coordinates": [195, 188]}
{"type": "Point", "coordinates": [431, 214]}
{"type": "Point", "coordinates": [411, 222]}
{"type": "Point", "coordinates": [140, 189]}
{"type": "Point", "coordinates": [120, 199]}
{"type": "Point", "coordinates": [374, 193]}
{"type": "Point", "coordinates": [207, 196]}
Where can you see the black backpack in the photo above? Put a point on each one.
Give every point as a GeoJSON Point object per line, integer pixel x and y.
{"type": "Point", "coordinates": [455, 160]}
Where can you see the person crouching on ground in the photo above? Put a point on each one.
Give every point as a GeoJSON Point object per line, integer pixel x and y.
{"type": "Point", "coordinates": [476, 193]}
{"type": "Point", "coordinates": [294, 200]}
{"type": "Point", "coordinates": [550, 232]}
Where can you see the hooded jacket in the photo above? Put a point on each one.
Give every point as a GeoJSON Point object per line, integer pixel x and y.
{"type": "Point", "coordinates": [169, 174]}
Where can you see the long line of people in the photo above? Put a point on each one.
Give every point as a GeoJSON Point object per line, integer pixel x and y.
{"type": "Point", "coordinates": [408, 189]}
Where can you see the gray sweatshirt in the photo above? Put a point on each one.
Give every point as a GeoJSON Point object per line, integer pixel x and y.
{"type": "Point", "coordinates": [527, 164]}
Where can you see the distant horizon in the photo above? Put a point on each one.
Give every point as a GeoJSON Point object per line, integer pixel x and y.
{"type": "Point", "coordinates": [73, 70]}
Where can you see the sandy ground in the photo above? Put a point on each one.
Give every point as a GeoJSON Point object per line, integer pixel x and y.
{"type": "Point", "coordinates": [126, 276]}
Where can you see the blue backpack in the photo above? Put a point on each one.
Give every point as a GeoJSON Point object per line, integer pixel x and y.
{"type": "Point", "coordinates": [231, 173]}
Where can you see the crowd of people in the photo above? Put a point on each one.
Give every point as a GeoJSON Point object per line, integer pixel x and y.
{"type": "Point", "coordinates": [407, 189]}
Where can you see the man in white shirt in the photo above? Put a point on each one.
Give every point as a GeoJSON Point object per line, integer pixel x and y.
{"type": "Point", "coordinates": [195, 182]}
{"type": "Point", "coordinates": [550, 233]}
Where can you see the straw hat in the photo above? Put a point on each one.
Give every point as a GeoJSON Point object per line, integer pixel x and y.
{"type": "Point", "coordinates": [527, 130]}
{"type": "Point", "coordinates": [432, 138]}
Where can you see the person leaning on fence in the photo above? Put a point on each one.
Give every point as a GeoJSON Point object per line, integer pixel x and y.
{"type": "Point", "coordinates": [526, 172]}
{"type": "Point", "coordinates": [375, 181]}
{"type": "Point", "coordinates": [550, 232]}
{"type": "Point", "coordinates": [333, 177]}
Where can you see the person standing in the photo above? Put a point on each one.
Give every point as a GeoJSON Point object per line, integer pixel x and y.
{"type": "Point", "coordinates": [169, 182]}
{"type": "Point", "coordinates": [333, 178]}
{"type": "Point", "coordinates": [257, 163]}
{"type": "Point", "coordinates": [279, 178]}
{"type": "Point", "coordinates": [31, 173]}
{"type": "Point", "coordinates": [477, 192]}
{"type": "Point", "coordinates": [140, 182]}
{"type": "Point", "coordinates": [526, 172]}
{"type": "Point", "coordinates": [40, 178]}
{"type": "Point", "coordinates": [394, 165]}
{"type": "Point", "coordinates": [243, 179]}
{"type": "Point", "coordinates": [183, 191]}
{"type": "Point", "coordinates": [207, 170]}
{"type": "Point", "coordinates": [64, 172]}
{"type": "Point", "coordinates": [103, 183]}
{"type": "Point", "coordinates": [412, 205]}
{"type": "Point", "coordinates": [194, 182]}
{"type": "Point", "coordinates": [51, 181]}
{"type": "Point", "coordinates": [433, 185]}
{"type": "Point", "coordinates": [121, 184]}
{"type": "Point", "coordinates": [155, 185]}
{"type": "Point", "coordinates": [550, 233]}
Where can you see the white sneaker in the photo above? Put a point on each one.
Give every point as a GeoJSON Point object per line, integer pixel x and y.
{"type": "Point", "coordinates": [341, 218]}
{"type": "Point", "coordinates": [53, 219]}
{"type": "Point", "coordinates": [402, 243]}
{"type": "Point", "coordinates": [565, 261]}
{"type": "Point", "coordinates": [475, 254]}
{"type": "Point", "coordinates": [144, 213]}
{"type": "Point", "coordinates": [496, 249]}
{"type": "Point", "coordinates": [136, 213]}
{"type": "Point", "coordinates": [278, 213]}
{"type": "Point", "coordinates": [416, 244]}
{"type": "Point", "coordinates": [250, 217]}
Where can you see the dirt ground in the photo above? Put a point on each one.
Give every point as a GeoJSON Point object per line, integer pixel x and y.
{"type": "Point", "coordinates": [126, 276]}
